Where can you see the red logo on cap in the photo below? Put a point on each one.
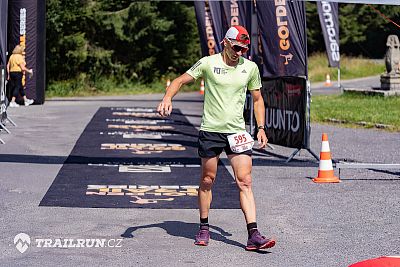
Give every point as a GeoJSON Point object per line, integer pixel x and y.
{"type": "Point", "coordinates": [243, 35]}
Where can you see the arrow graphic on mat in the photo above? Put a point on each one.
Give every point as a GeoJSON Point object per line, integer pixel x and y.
{"type": "Point", "coordinates": [140, 200]}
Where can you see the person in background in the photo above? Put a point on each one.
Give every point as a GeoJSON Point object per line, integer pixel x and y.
{"type": "Point", "coordinates": [16, 66]}
{"type": "Point", "coordinates": [227, 76]}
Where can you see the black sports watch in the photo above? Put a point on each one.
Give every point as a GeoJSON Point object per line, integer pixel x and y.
{"type": "Point", "coordinates": [261, 127]}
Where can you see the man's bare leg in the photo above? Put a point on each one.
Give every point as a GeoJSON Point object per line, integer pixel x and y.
{"type": "Point", "coordinates": [208, 174]}
{"type": "Point", "coordinates": [242, 165]}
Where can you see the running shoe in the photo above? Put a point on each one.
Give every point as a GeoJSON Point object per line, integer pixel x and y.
{"type": "Point", "coordinates": [257, 241]}
{"type": "Point", "coordinates": [28, 102]}
{"type": "Point", "coordinates": [13, 104]}
{"type": "Point", "coordinates": [202, 237]}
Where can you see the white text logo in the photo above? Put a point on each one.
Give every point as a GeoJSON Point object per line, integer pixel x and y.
{"type": "Point", "coordinates": [22, 242]}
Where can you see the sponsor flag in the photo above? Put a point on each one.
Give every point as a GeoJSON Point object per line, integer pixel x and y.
{"type": "Point", "coordinates": [241, 12]}
{"type": "Point", "coordinates": [27, 28]}
{"type": "Point", "coordinates": [3, 32]}
{"type": "Point", "coordinates": [237, 12]}
{"type": "Point", "coordinates": [283, 37]}
{"type": "Point", "coordinates": [328, 16]}
{"type": "Point", "coordinates": [215, 17]}
{"type": "Point", "coordinates": [3, 56]}
{"type": "Point", "coordinates": [207, 26]}
{"type": "Point", "coordinates": [218, 21]}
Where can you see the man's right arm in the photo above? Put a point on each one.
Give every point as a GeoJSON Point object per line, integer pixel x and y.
{"type": "Point", "coordinates": [165, 106]}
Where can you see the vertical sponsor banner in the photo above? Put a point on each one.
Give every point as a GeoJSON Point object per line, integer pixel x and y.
{"type": "Point", "coordinates": [207, 22]}
{"type": "Point", "coordinates": [27, 28]}
{"type": "Point", "coordinates": [238, 13]}
{"type": "Point", "coordinates": [255, 48]}
{"type": "Point", "coordinates": [284, 54]}
{"type": "Point", "coordinates": [218, 21]}
{"type": "Point", "coordinates": [199, 7]}
{"type": "Point", "coordinates": [285, 101]}
{"type": "Point", "coordinates": [329, 19]}
{"type": "Point", "coordinates": [3, 57]}
{"type": "Point", "coordinates": [3, 32]}
{"type": "Point", "coordinates": [283, 37]}
{"type": "Point", "coordinates": [215, 17]}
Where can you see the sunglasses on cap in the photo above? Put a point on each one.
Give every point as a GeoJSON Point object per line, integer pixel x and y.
{"type": "Point", "coordinates": [238, 48]}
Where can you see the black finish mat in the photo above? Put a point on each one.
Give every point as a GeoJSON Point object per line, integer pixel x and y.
{"type": "Point", "coordinates": [132, 158]}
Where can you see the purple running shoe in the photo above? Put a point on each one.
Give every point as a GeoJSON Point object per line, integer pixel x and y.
{"type": "Point", "coordinates": [202, 237]}
{"type": "Point", "coordinates": [257, 241]}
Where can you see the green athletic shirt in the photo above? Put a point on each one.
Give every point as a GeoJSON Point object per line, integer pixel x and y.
{"type": "Point", "coordinates": [225, 92]}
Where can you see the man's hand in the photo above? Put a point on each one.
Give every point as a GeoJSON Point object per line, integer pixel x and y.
{"type": "Point", "coordinates": [262, 138]}
{"type": "Point", "coordinates": [165, 107]}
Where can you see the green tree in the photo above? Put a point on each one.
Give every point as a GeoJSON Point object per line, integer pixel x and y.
{"type": "Point", "coordinates": [120, 39]}
{"type": "Point", "coordinates": [362, 31]}
{"type": "Point", "coordinates": [66, 42]}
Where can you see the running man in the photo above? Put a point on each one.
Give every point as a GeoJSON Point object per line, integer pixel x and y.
{"type": "Point", "coordinates": [227, 76]}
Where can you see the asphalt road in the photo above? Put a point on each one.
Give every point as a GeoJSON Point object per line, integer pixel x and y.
{"type": "Point", "coordinates": [321, 89]}
{"type": "Point", "coordinates": [314, 224]}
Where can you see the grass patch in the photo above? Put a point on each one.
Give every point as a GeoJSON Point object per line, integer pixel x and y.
{"type": "Point", "coordinates": [350, 67]}
{"type": "Point", "coordinates": [109, 86]}
{"type": "Point", "coordinates": [357, 110]}
{"type": "Point", "coordinates": [317, 66]}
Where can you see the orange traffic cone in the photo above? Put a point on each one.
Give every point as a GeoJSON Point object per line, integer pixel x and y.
{"type": "Point", "coordinates": [202, 87]}
{"type": "Point", "coordinates": [328, 80]}
{"type": "Point", "coordinates": [325, 170]}
{"type": "Point", "coordinates": [168, 84]}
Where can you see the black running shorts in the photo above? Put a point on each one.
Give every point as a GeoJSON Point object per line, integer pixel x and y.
{"type": "Point", "coordinates": [211, 145]}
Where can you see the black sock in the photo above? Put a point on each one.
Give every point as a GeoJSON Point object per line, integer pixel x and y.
{"type": "Point", "coordinates": [204, 223]}
{"type": "Point", "coordinates": [251, 228]}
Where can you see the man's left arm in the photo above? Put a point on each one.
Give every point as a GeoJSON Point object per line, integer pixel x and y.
{"type": "Point", "coordinates": [259, 111]}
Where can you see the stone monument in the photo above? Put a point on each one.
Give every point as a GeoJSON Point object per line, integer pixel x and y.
{"type": "Point", "coordinates": [390, 80]}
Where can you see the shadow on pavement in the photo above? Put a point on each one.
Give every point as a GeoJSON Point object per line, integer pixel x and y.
{"type": "Point", "coordinates": [387, 172]}
{"type": "Point", "coordinates": [121, 100]}
{"type": "Point", "coordinates": [186, 230]}
{"type": "Point", "coordinates": [36, 159]}
{"type": "Point", "coordinates": [43, 159]}
{"type": "Point", "coordinates": [40, 159]}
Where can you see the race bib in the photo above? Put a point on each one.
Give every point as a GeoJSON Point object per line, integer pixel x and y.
{"type": "Point", "coordinates": [240, 142]}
